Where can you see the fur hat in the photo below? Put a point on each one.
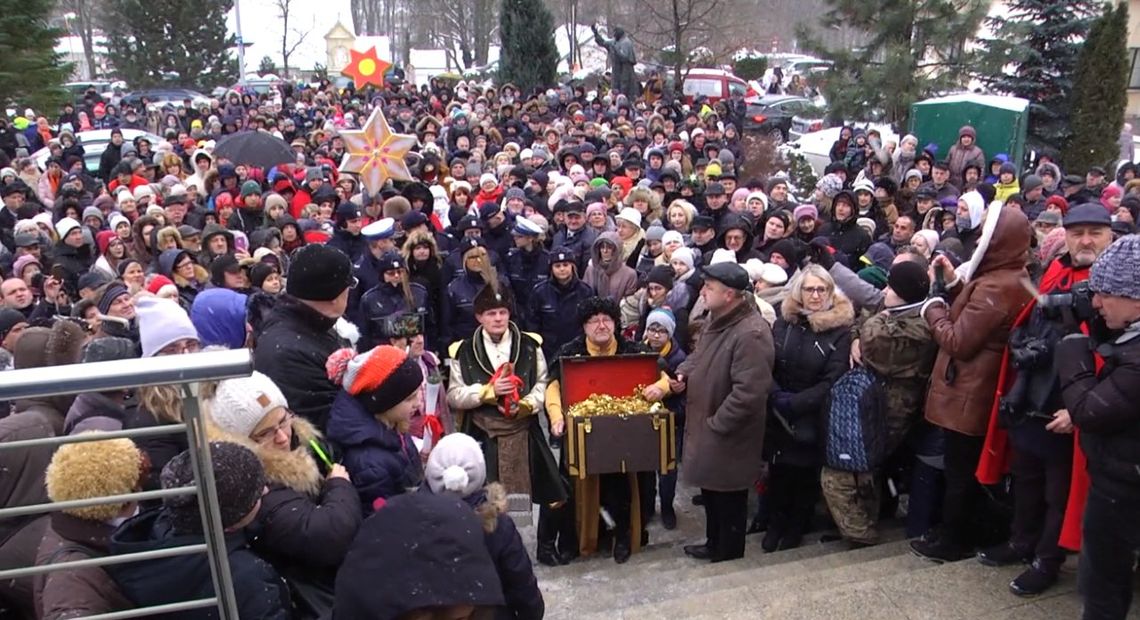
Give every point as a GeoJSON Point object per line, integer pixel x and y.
{"type": "Point", "coordinates": [240, 404]}
{"type": "Point", "coordinates": [238, 476]}
{"type": "Point", "coordinates": [592, 306]}
{"type": "Point", "coordinates": [491, 297]}
{"type": "Point", "coordinates": [91, 469]}
{"type": "Point", "coordinates": [456, 465]}
{"type": "Point", "coordinates": [380, 378]}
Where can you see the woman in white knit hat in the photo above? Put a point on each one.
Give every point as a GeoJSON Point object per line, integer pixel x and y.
{"type": "Point", "coordinates": [311, 513]}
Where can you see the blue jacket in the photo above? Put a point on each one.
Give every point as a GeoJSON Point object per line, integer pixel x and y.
{"type": "Point", "coordinates": [382, 462]}
{"type": "Point", "coordinates": [383, 301]}
{"type": "Point", "coordinates": [552, 313]}
{"type": "Point", "coordinates": [368, 274]}
{"type": "Point", "coordinates": [459, 320]}
{"type": "Point", "coordinates": [354, 246]}
{"type": "Point", "coordinates": [527, 269]}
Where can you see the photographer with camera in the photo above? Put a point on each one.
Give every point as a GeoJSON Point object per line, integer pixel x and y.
{"type": "Point", "coordinates": [1102, 402]}
{"type": "Point", "coordinates": [971, 326]}
{"type": "Point", "coordinates": [1030, 431]}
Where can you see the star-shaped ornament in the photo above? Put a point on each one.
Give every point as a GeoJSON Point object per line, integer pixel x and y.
{"type": "Point", "coordinates": [365, 68]}
{"type": "Point", "coordinates": [376, 154]}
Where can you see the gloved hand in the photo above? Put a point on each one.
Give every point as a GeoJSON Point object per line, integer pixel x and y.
{"type": "Point", "coordinates": [525, 407]}
{"type": "Point", "coordinates": [487, 394]}
{"type": "Point", "coordinates": [780, 401]}
{"type": "Point", "coordinates": [821, 253]}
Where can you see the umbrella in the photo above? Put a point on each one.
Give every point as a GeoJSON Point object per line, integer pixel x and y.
{"type": "Point", "coordinates": [255, 148]}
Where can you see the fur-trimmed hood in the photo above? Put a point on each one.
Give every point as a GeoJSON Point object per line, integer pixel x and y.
{"type": "Point", "coordinates": [492, 502]}
{"type": "Point", "coordinates": [841, 313]}
{"type": "Point", "coordinates": [295, 469]}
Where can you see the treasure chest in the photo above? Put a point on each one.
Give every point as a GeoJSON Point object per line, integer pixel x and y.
{"type": "Point", "coordinates": [615, 442]}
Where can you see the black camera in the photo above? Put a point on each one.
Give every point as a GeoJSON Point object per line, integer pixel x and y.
{"type": "Point", "coordinates": [1077, 300]}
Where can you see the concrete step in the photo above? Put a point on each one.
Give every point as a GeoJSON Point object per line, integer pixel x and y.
{"type": "Point", "coordinates": [657, 585]}
{"type": "Point", "coordinates": [893, 587]}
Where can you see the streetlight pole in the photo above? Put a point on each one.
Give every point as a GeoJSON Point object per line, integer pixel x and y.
{"type": "Point", "coordinates": [240, 43]}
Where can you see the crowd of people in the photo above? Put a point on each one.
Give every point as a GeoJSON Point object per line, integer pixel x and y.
{"type": "Point", "coordinates": [409, 343]}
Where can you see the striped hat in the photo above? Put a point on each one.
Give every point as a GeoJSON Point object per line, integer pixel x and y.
{"type": "Point", "coordinates": [380, 378]}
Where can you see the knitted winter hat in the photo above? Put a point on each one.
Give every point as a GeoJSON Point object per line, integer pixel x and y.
{"type": "Point", "coordinates": [663, 318]}
{"type": "Point", "coordinates": [909, 281]}
{"type": "Point", "coordinates": [240, 404]}
{"type": "Point", "coordinates": [109, 348]}
{"type": "Point", "coordinates": [456, 465]}
{"type": "Point", "coordinates": [91, 469]}
{"type": "Point", "coordinates": [65, 226]}
{"type": "Point", "coordinates": [319, 273]}
{"type": "Point", "coordinates": [802, 211]}
{"type": "Point", "coordinates": [380, 378]}
{"type": "Point", "coordinates": [238, 475]}
{"type": "Point", "coordinates": [672, 237]}
{"type": "Point", "coordinates": [1117, 271]}
{"type": "Point", "coordinates": [661, 274]}
{"type": "Point", "coordinates": [162, 322]}
{"type": "Point", "coordinates": [685, 255]}
{"type": "Point", "coordinates": [656, 232]}
{"type": "Point", "coordinates": [161, 286]}
{"type": "Point", "coordinates": [112, 292]}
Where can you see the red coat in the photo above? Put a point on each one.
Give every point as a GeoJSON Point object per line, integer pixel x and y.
{"type": "Point", "coordinates": [995, 460]}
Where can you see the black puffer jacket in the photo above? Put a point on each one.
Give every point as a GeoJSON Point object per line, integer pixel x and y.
{"type": "Point", "coordinates": [812, 351]}
{"type": "Point", "coordinates": [1103, 407]}
{"type": "Point", "coordinates": [849, 238]}
{"type": "Point", "coordinates": [292, 348]}
{"type": "Point", "coordinates": [512, 563]}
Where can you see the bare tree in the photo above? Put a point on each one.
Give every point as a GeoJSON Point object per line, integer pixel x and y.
{"type": "Point", "coordinates": [80, 17]}
{"type": "Point", "coordinates": [297, 34]}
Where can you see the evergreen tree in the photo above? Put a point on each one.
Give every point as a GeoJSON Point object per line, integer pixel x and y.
{"type": "Point", "coordinates": [155, 42]}
{"type": "Point", "coordinates": [31, 72]}
{"type": "Point", "coordinates": [528, 57]}
{"type": "Point", "coordinates": [1100, 93]}
{"type": "Point", "coordinates": [914, 49]}
{"type": "Point", "coordinates": [1033, 55]}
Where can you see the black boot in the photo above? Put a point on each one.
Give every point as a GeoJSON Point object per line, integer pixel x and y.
{"type": "Point", "coordinates": [622, 549]}
{"type": "Point", "coordinates": [668, 517]}
{"type": "Point", "coordinates": [771, 540]}
{"type": "Point", "coordinates": [547, 555]}
{"type": "Point", "coordinates": [1004, 554]}
{"type": "Point", "coordinates": [940, 549]}
{"type": "Point", "coordinates": [760, 519]}
{"type": "Point", "coordinates": [1035, 580]}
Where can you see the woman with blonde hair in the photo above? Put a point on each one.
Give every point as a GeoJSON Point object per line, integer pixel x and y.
{"type": "Point", "coordinates": [172, 166]}
{"type": "Point", "coordinates": [812, 334]}
{"type": "Point", "coordinates": [679, 217]}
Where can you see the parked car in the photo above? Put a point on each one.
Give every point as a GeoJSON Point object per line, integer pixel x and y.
{"type": "Point", "coordinates": [816, 146]}
{"type": "Point", "coordinates": [771, 115]}
{"type": "Point", "coordinates": [714, 84]}
{"type": "Point", "coordinates": [808, 122]}
{"type": "Point", "coordinates": [162, 97]}
{"type": "Point", "coordinates": [94, 143]}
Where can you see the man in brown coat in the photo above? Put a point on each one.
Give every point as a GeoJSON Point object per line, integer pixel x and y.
{"type": "Point", "coordinates": [726, 408]}
{"type": "Point", "coordinates": [971, 333]}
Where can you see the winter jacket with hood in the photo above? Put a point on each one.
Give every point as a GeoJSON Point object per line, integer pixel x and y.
{"type": "Point", "coordinates": [187, 290]}
{"type": "Point", "coordinates": [812, 351]}
{"type": "Point", "coordinates": [259, 590]}
{"type": "Point", "coordinates": [961, 156]}
{"type": "Point", "coordinates": [382, 461]}
{"type": "Point", "coordinates": [615, 280]}
{"type": "Point", "coordinates": [973, 330]}
{"type": "Point", "coordinates": [847, 236]}
{"type": "Point", "coordinates": [306, 521]}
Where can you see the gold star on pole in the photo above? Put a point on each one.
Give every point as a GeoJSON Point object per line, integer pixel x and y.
{"type": "Point", "coordinates": [376, 154]}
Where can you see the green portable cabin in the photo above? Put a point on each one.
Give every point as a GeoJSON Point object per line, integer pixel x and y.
{"type": "Point", "coordinates": [1001, 123]}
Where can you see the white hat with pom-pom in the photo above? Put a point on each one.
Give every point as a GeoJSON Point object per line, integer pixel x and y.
{"type": "Point", "coordinates": [456, 465]}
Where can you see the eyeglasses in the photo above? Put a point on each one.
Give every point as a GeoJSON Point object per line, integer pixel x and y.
{"type": "Point", "coordinates": [268, 434]}
{"type": "Point", "coordinates": [659, 331]}
{"type": "Point", "coordinates": [599, 321]}
{"type": "Point", "coordinates": [814, 290]}
{"type": "Point", "coordinates": [354, 282]}
{"type": "Point", "coordinates": [185, 263]}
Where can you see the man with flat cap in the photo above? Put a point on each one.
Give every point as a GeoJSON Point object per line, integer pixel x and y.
{"type": "Point", "coordinates": [726, 381]}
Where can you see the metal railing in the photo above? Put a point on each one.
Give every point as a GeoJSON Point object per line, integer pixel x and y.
{"type": "Point", "coordinates": [124, 375]}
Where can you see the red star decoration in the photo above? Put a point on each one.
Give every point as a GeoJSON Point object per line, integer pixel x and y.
{"type": "Point", "coordinates": [365, 68]}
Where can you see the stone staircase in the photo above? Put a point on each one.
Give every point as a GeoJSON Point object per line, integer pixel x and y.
{"type": "Point", "coordinates": [816, 581]}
